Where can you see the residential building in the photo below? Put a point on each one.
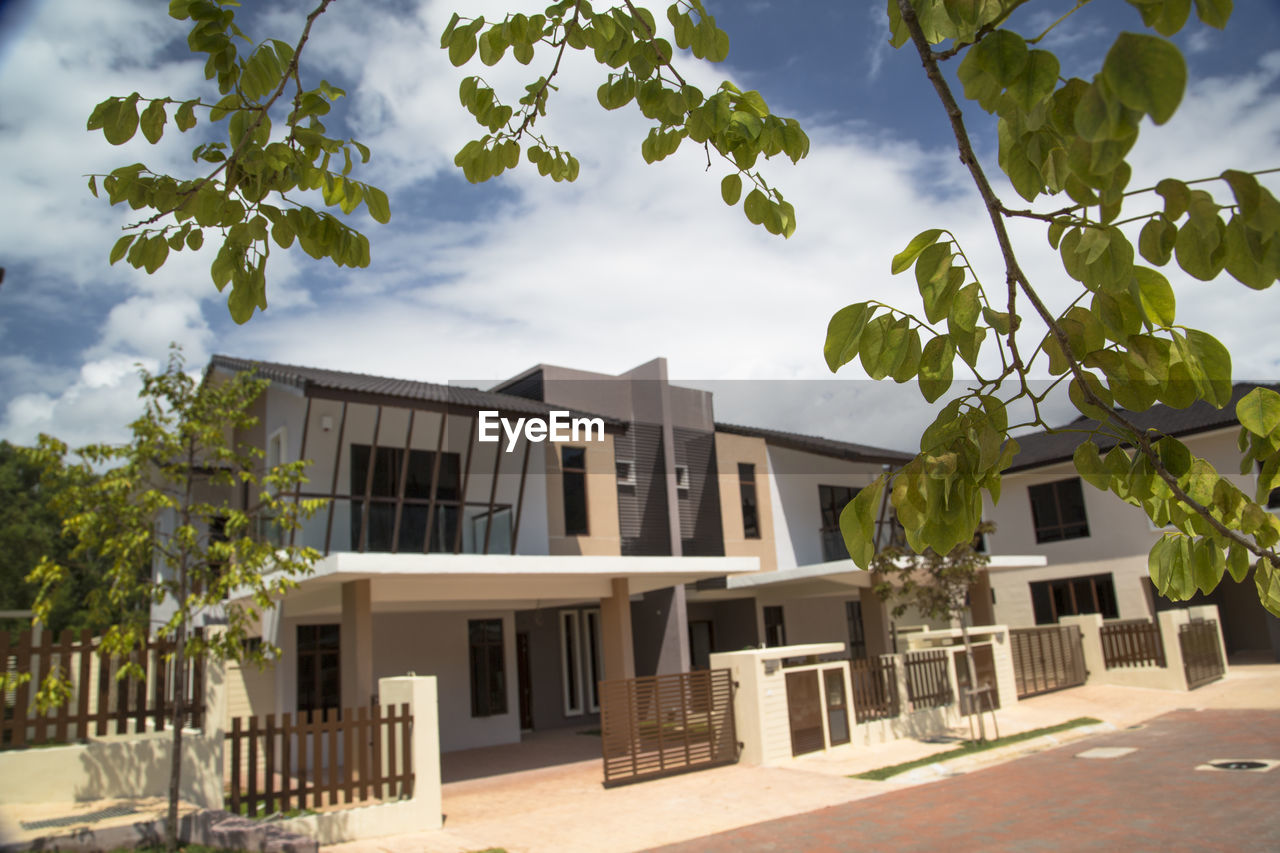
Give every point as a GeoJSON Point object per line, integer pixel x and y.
{"type": "Point", "coordinates": [1095, 546]}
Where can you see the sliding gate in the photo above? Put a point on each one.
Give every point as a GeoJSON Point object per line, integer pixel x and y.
{"type": "Point", "coordinates": [666, 724]}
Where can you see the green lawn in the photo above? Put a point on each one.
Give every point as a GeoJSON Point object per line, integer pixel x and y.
{"type": "Point", "coordinates": [972, 747]}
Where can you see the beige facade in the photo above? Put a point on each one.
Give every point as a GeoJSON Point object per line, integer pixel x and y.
{"type": "Point", "coordinates": [602, 537]}
{"type": "Point", "coordinates": [732, 450]}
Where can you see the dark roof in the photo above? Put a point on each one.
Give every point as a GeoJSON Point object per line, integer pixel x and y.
{"type": "Point", "coordinates": [1050, 447]}
{"type": "Point", "coordinates": [307, 379]}
{"type": "Point", "coordinates": [821, 446]}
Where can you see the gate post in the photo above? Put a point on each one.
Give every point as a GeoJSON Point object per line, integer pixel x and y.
{"type": "Point", "coordinates": [420, 692]}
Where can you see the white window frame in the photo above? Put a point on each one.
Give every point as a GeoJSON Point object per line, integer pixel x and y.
{"type": "Point", "coordinates": [630, 478]}
{"type": "Point", "coordinates": [574, 678]}
{"type": "Point", "coordinates": [682, 478]}
{"type": "Point", "coordinates": [594, 649]}
{"type": "Point", "coordinates": [283, 436]}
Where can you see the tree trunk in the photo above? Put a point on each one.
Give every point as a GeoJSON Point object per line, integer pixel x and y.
{"type": "Point", "coordinates": [179, 717]}
{"type": "Point", "coordinates": [973, 675]}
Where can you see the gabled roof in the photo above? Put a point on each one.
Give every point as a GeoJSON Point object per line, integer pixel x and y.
{"type": "Point", "coordinates": [821, 446]}
{"type": "Point", "coordinates": [311, 379]}
{"type": "Point", "coordinates": [1048, 448]}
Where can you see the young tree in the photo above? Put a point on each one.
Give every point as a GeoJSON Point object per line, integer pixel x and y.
{"type": "Point", "coordinates": [185, 520]}
{"type": "Point", "coordinates": [1063, 145]}
{"type": "Point", "coordinates": [935, 585]}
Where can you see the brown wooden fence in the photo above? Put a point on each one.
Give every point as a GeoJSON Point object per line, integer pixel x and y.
{"type": "Point", "coordinates": [665, 724]}
{"type": "Point", "coordinates": [1046, 659]}
{"type": "Point", "coordinates": [928, 678]}
{"type": "Point", "coordinates": [875, 689]}
{"type": "Point", "coordinates": [99, 703]}
{"type": "Point", "coordinates": [276, 765]}
{"type": "Point", "coordinates": [1132, 643]}
{"type": "Point", "coordinates": [1201, 654]}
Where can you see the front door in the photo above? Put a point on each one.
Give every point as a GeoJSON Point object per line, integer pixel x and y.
{"type": "Point", "coordinates": [804, 707]}
{"type": "Point", "coordinates": [523, 687]}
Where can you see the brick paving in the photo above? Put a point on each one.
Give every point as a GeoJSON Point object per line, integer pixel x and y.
{"type": "Point", "coordinates": [1151, 798]}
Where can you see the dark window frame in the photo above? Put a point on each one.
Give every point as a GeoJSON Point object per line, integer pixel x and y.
{"type": "Point", "coordinates": [487, 661]}
{"type": "Point", "coordinates": [857, 630]}
{"type": "Point", "coordinates": [775, 626]}
{"type": "Point", "coordinates": [319, 647]}
{"type": "Point", "coordinates": [749, 498]}
{"type": "Point", "coordinates": [574, 492]}
{"type": "Point", "coordinates": [1080, 594]}
{"type": "Point", "coordinates": [1053, 510]}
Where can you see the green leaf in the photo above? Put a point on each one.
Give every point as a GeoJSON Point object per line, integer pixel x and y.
{"type": "Point", "coordinates": [1088, 462]}
{"type": "Point", "coordinates": [844, 333]}
{"type": "Point", "coordinates": [1177, 197]}
{"type": "Point", "coordinates": [857, 522]}
{"type": "Point", "coordinates": [1164, 16]}
{"type": "Point", "coordinates": [1214, 12]}
{"type": "Point", "coordinates": [1214, 362]}
{"type": "Point", "coordinates": [1148, 74]}
{"type": "Point", "coordinates": [964, 309]}
{"type": "Point", "coordinates": [731, 188]}
{"type": "Point", "coordinates": [379, 208]}
{"type": "Point", "coordinates": [1157, 239]}
{"type": "Point", "coordinates": [121, 246]}
{"type": "Point", "coordinates": [1174, 455]}
{"type": "Point", "coordinates": [904, 259]}
{"type": "Point", "coordinates": [121, 120]}
{"type": "Point", "coordinates": [935, 368]}
{"type": "Point", "coordinates": [1259, 411]}
{"type": "Point", "coordinates": [1157, 297]}
{"type": "Point", "coordinates": [153, 120]}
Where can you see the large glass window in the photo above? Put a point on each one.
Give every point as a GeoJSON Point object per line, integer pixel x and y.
{"type": "Point", "coordinates": [857, 631]}
{"type": "Point", "coordinates": [573, 466]}
{"type": "Point", "coordinates": [831, 502]}
{"type": "Point", "coordinates": [1057, 510]}
{"type": "Point", "coordinates": [488, 679]}
{"type": "Point", "coordinates": [319, 672]}
{"type": "Point", "coordinates": [389, 472]}
{"type": "Point", "coordinates": [750, 513]}
{"type": "Point", "coordinates": [1053, 599]}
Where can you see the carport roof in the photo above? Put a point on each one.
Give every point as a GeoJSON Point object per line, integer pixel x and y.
{"type": "Point", "coordinates": [410, 582]}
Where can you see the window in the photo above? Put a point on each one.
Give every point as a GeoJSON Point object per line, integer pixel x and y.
{"type": "Point", "coordinates": [581, 661]}
{"type": "Point", "coordinates": [573, 465]}
{"type": "Point", "coordinates": [775, 633]}
{"type": "Point", "coordinates": [626, 472]}
{"type": "Point", "coordinates": [488, 680]}
{"type": "Point", "coordinates": [831, 502]}
{"type": "Point", "coordinates": [570, 672]}
{"type": "Point", "coordinates": [1051, 600]}
{"type": "Point", "coordinates": [747, 487]}
{"type": "Point", "coordinates": [857, 633]}
{"type": "Point", "coordinates": [319, 673]}
{"type": "Point", "coordinates": [1057, 510]}
{"type": "Point", "coordinates": [392, 473]}
{"type": "Point", "coordinates": [682, 478]}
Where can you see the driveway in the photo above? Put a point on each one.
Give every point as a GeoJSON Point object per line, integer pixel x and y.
{"type": "Point", "coordinates": [1142, 791]}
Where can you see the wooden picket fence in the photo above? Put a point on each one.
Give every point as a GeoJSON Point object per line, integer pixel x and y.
{"type": "Point", "coordinates": [928, 678]}
{"type": "Point", "coordinates": [278, 764]}
{"type": "Point", "coordinates": [875, 689]}
{"type": "Point", "coordinates": [1132, 643]}
{"type": "Point", "coordinates": [100, 703]}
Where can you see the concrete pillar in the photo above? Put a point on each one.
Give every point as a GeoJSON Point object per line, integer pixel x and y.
{"type": "Point", "coordinates": [1090, 625]}
{"type": "Point", "coordinates": [424, 810]}
{"type": "Point", "coordinates": [980, 607]}
{"type": "Point", "coordinates": [615, 632]}
{"type": "Point", "coordinates": [356, 644]}
{"type": "Point", "coordinates": [875, 623]}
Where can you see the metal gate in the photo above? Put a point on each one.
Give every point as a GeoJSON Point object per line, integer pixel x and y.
{"type": "Point", "coordinates": [1201, 655]}
{"type": "Point", "coordinates": [804, 712]}
{"type": "Point", "coordinates": [1046, 659]}
{"type": "Point", "coordinates": [665, 724]}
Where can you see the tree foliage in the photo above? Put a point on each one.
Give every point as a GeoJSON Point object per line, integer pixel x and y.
{"type": "Point", "coordinates": [245, 187]}
{"type": "Point", "coordinates": [186, 520]}
{"type": "Point", "coordinates": [30, 527]}
{"type": "Point", "coordinates": [1063, 144]}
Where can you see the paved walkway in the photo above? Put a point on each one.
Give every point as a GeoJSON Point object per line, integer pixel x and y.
{"type": "Point", "coordinates": [564, 808]}
{"type": "Point", "coordinates": [1143, 789]}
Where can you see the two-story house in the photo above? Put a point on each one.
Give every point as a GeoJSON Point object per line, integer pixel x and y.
{"type": "Point", "coordinates": [521, 564]}
{"type": "Point", "coordinates": [1096, 546]}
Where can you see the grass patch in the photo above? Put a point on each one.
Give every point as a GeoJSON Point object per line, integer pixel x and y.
{"type": "Point", "coordinates": [969, 748]}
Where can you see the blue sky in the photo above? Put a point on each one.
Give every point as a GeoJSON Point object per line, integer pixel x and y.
{"type": "Point", "coordinates": [631, 262]}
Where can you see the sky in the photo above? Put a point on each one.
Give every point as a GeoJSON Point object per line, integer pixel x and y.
{"type": "Point", "coordinates": [475, 284]}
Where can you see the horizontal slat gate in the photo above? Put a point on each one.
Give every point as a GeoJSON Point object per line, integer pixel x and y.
{"type": "Point", "coordinates": [660, 725]}
{"type": "Point", "coordinates": [1047, 659]}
